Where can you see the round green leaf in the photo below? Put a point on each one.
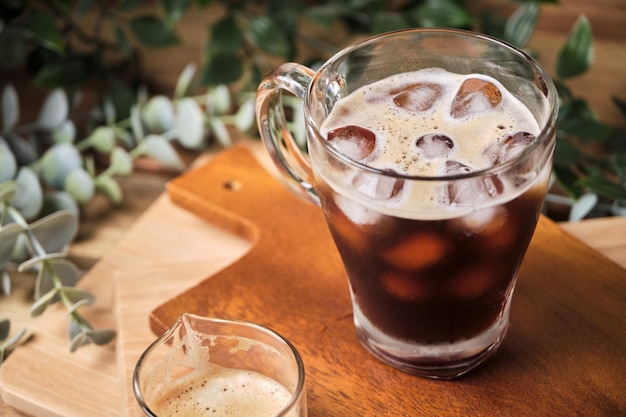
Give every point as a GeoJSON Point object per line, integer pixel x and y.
{"type": "Point", "coordinates": [152, 31]}
{"type": "Point", "coordinates": [67, 273]}
{"type": "Point", "coordinates": [158, 114]}
{"type": "Point", "coordinates": [42, 303]}
{"type": "Point", "coordinates": [220, 132]}
{"type": "Point", "coordinates": [58, 161]}
{"type": "Point", "coordinates": [102, 139]}
{"type": "Point", "coordinates": [55, 231]}
{"type": "Point", "coordinates": [10, 107]}
{"type": "Point", "coordinates": [184, 80]}
{"type": "Point", "coordinates": [54, 110]}
{"type": "Point", "coordinates": [101, 337]}
{"type": "Point", "coordinates": [29, 197]}
{"type": "Point", "coordinates": [8, 238]}
{"type": "Point", "coordinates": [157, 147]}
{"type": "Point", "coordinates": [121, 162]}
{"type": "Point", "coordinates": [8, 165]}
{"type": "Point", "coordinates": [8, 190]}
{"type": "Point", "coordinates": [79, 185]}
{"type": "Point", "coordinates": [59, 201]}
{"type": "Point", "coordinates": [189, 123]}
{"type": "Point", "coordinates": [107, 185]}
{"type": "Point", "coordinates": [218, 100]}
{"type": "Point", "coordinates": [245, 118]}
{"type": "Point", "coordinates": [65, 132]}
{"type": "Point", "coordinates": [576, 55]}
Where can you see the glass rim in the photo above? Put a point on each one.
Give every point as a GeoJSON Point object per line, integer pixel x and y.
{"type": "Point", "coordinates": [544, 134]}
{"type": "Point", "coordinates": [297, 393]}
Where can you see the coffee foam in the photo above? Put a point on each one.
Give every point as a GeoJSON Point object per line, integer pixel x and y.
{"type": "Point", "coordinates": [477, 137]}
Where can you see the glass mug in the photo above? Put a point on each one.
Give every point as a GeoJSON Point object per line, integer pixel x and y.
{"type": "Point", "coordinates": [216, 367]}
{"type": "Point", "coordinates": [431, 284]}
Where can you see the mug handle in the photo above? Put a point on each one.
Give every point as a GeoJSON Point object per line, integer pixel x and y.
{"type": "Point", "coordinates": [294, 164]}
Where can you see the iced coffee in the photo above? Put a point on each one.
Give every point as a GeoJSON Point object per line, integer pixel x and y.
{"type": "Point", "coordinates": [431, 247]}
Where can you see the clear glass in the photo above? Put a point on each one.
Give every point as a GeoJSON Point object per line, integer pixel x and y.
{"type": "Point", "coordinates": [217, 367]}
{"type": "Point", "coordinates": [446, 322]}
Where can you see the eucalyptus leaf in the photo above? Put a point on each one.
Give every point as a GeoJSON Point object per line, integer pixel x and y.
{"type": "Point", "coordinates": [184, 81]}
{"type": "Point", "coordinates": [58, 161]}
{"type": "Point", "coordinates": [576, 55]}
{"type": "Point", "coordinates": [521, 25]}
{"type": "Point", "coordinates": [222, 68]}
{"type": "Point", "coordinates": [42, 303]}
{"type": "Point", "coordinates": [79, 185]}
{"type": "Point", "coordinates": [77, 327]}
{"type": "Point", "coordinates": [121, 162]}
{"type": "Point", "coordinates": [24, 151]}
{"type": "Point", "coordinates": [159, 148]}
{"type": "Point", "coordinates": [189, 123]}
{"type": "Point", "coordinates": [65, 272]}
{"type": "Point", "coordinates": [8, 190]}
{"type": "Point", "coordinates": [220, 132]}
{"type": "Point", "coordinates": [65, 132]}
{"type": "Point", "coordinates": [101, 337]}
{"type": "Point", "coordinates": [59, 201]}
{"type": "Point", "coordinates": [245, 117]}
{"type": "Point", "coordinates": [107, 185]}
{"type": "Point", "coordinates": [583, 206]}
{"type": "Point", "coordinates": [39, 261]}
{"type": "Point", "coordinates": [54, 110]}
{"type": "Point", "coordinates": [55, 231]}
{"type": "Point", "coordinates": [10, 107]}
{"type": "Point", "coordinates": [8, 238]}
{"type": "Point", "coordinates": [29, 198]}
{"type": "Point", "coordinates": [218, 100]}
{"type": "Point", "coordinates": [158, 114]}
{"type": "Point", "coordinates": [8, 164]}
{"type": "Point", "coordinates": [5, 328]}
{"type": "Point", "coordinates": [6, 282]}
{"type": "Point", "coordinates": [79, 340]}
{"type": "Point", "coordinates": [135, 123]}
{"type": "Point", "coordinates": [152, 31]}
{"type": "Point", "coordinates": [75, 295]}
{"type": "Point", "coordinates": [102, 139]}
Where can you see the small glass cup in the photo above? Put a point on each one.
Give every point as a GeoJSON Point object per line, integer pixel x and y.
{"type": "Point", "coordinates": [431, 288]}
{"type": "Point", "coordinates": [217, 367]}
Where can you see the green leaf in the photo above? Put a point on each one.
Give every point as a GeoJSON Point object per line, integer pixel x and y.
{"type": "Point", "coordinates": [65, 132]}
{"type": "Point", "coordinates": [8, 239]}
{"type": "Point", "coordinates": [43, 302]}
{"type": "Point", "coordinates": [8, 164]}
{"type": "Point", "coordinates": [8, 190]}
{"type": "Point", "coordinates": [189, 123]}
{"type": "Point", "coordinates": [58, 161]}
{"type": "Point", "coordinates": [387, 22]}
{"type": "Point", "coordinates": [521, 25]}
{"type": "Point", "coordinates": [268, 36]}
{"type": "Point", "coordinates": [586, 130]}
{"type": "Point", "coordinates": [79, 185]}
{"type": "Point", "coordinates": [442, 13]}
{"type": "Point", "coordinates": [10, 107]}
{"type": "Point", "coordinates": [174, 10]}
{"type": "Point", "coordinates": [576, 55]}
{"type": "Point", "coordinates": [5, 328]}
{"type": "Point", "coordinates": [77, 341]}
{"type": "Point", "coordinates": [128, 5]}
{"type": "Point", "coordinates": [223, 68]}
{"type": "Point", "coordinates": [583, 206]}
{"type": "Point", "coordinates": [568, 181]}
{"type": "Point", "coordinates": [122, 41]}
{"type": "Point", "coordinates": [121, 162]}
{"type": "Point", "coordinates": [225, 37]}
{"type": "Point", "coordinates": [158, 114]}
{"type": "Point", "coordinates": [55, 231]}
{"type": "Point", "coordinates": [325, 14]}
{"type": "Point", "coordinates": [43, 27]}
{"type": "Point", "coordinates": [604, 187]}
{"type": "Point", "coordinates": [54, 110]}
{"type": "Point", "coordinates": [29, 198]}
{"type": "Point", "coordinates": [152, 31]}
{"type": "Point", "coordinates": [68, 71]}
{"type": "Point", "coordinates": [184, 81]}
{"type": "Point", "coordinates": [59, 201]}
{"type": "Point", "coordinates": [157, 147]}
{"type": "Point", "coordinates": [67, 273]}
{"type": "Point", "coordinates": [621, 105]}
{"type": "Point", "coordinates": [76, 295]}
{"type": "Point", "coordinates": [107, 185]}
{"type": "Point", "coordinates": [101, 337]}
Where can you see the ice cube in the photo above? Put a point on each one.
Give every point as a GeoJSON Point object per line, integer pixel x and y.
{"type": "Point", "coordinates": [435, 145]}
{"type": "Point", "coordinates": [468, 191]}
{"type": "Point", "coordinates": [473, 282]}
{"type": "Point", "coordinates": [356, 212]}
{"type": "Point", "coordinates": [416, 97]}
{"type": "Point", "coordinates": [355, 142]}
{"type": "Point", "coordinates": [475, 95]}
{"type": "Point", "coordinates": [416, 252]}
{"type": "Point", "coordinates": [513, 145]}
{"type": "Point", "coordinates": [378, 186]}
{"type": "Point", "coordinates": [408, 287]}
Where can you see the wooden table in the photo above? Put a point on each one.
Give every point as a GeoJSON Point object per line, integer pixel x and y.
{"type": "Point", "coordinates": [103, 226]}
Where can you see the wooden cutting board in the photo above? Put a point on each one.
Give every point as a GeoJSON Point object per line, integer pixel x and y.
{"type": "Point", "coordinates": [564, 354]}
